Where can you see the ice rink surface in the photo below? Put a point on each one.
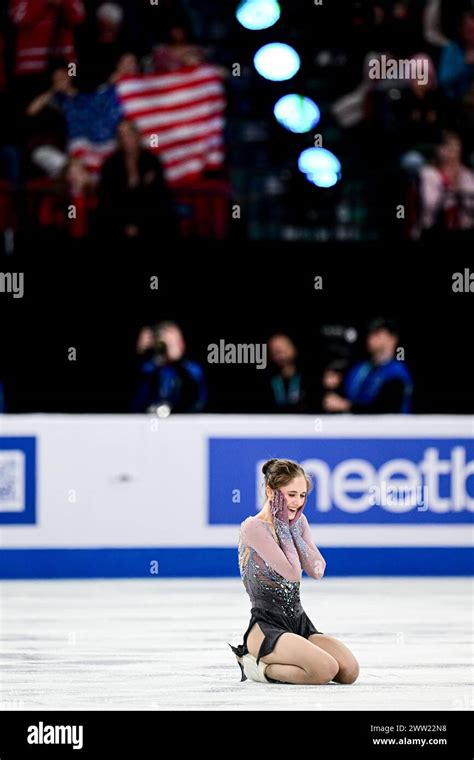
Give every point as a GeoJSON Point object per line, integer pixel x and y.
{"type": "Point", "coordinates": [161, 644]}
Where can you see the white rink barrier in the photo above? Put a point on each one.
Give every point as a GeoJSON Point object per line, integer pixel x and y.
{"type": "Point", "coordinates": [135, 495]}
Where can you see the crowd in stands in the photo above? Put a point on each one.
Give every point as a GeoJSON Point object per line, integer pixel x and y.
{"type": "Point", "coordinates": [416, 128]}
{"type": "Point", "coordinates": [104, 107]}
{"type": "Point", "coordinates": [72, 71]}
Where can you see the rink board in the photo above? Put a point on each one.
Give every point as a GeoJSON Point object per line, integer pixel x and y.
{"type": "Point", "coordinates": [137, 496]}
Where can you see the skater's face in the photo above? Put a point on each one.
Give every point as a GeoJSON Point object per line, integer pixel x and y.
{"type": "Point", "coordinates": [295, 492]}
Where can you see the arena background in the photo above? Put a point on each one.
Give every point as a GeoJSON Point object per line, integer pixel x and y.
{"type": "Point", "coordinates": [119, 531]}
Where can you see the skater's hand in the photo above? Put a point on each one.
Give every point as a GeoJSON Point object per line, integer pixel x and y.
{"type": "Point", "coordinates": [279, 507]}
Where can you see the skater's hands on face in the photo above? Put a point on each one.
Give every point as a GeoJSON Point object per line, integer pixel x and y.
{"type": "Point", "coordinates": [287, 504]}
{"type": "Point", "coordinates": [279, 507]}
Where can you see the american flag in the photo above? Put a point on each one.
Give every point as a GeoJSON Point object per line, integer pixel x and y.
{"type": "Point", "coordinates": [180, 116]}
{"type": "Point", "coordinates": [92, 119]}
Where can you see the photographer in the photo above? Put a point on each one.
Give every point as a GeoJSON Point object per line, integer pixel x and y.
{"type": "Point", "coordinates": [382, 384]}
{"type": "Point", "coordinates": [168, 381]}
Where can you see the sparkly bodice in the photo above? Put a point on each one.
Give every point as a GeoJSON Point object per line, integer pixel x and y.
{"type": "Point", "coordinates": [265, 586]}
{"type": "Point", "coordinates": [270, 565]}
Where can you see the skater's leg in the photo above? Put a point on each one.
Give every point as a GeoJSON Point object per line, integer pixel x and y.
{"type": "Point", "coordinates": [348, 665]}
{"type": "Point", "coordinates": [294, 659]}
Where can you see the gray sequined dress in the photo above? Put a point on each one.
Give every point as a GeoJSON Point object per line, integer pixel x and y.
{"type": "Point", "coordinates": [271, 574]}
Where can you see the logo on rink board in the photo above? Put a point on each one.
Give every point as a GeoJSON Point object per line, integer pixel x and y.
{"type": "Point", "coordinates": [356, 480]}
{"type": "Point", "coordinates": [17, 480]}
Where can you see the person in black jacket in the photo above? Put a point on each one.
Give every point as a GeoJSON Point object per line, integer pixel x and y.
{"type": "Point", "coordinates": [134, 201]}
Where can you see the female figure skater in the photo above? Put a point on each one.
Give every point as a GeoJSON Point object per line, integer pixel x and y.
{"type": "Point", "coordinates": [281, 644]}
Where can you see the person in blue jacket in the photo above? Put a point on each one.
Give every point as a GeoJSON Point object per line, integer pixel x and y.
{"type": "Point", "coordinates": [168, 380]}
{"type": "Point", "coordinates": [456, 66]}
{"type": "Point", "coordinates": [380, 385]}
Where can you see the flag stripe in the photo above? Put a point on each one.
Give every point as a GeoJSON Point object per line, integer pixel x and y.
{"type": "Point", "coordinates": [168, 121]}
{"type": "Point", "coordinates": [185, 99]}
{"type": "Point", "coordinates": [185, 110]}
{"type": "Point", "coordinates": [183, 77]}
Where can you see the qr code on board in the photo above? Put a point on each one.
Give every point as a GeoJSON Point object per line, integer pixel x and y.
{"type": "Point", "coordinates": [12, 481]}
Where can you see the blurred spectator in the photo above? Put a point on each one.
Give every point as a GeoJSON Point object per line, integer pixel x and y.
{"type": "Point", "coordinates": [333, 376]}
{"type": "Point", "coordinates": [47, 126]}
{"type": "Point", "coordinates": [178, 51]}
{"type": "Point", "coordinates": [127, 65]}
{"type": "Point", "coordinates": [69, 199]}
{"type": "Point", "coordinates": [169, 382]}
{"type": "Point", "coordinates": [353, 108]}
{"type": "Point", "coordinates": [456, 69]}
{"type": "Point", "coordinates": [447, 189]}
{"type": "Point", "coordinates": [432, 26]}
{"type": "Point", "coordinates": [133, 198]}
{"type": "Point", "coordinates": [418, 113]}
{"type": "Point", "coordinates": [380, 385]}
{"type": "Point", "coordinates": [332, 381]}
{"type": "Point", "coordinates": [399, 26]}
{"type": "Point", "coordinates": [286, 386]}
{"type": "Point", "coordinates": [45, 32]}
{"type": "Point", "coordinates": [103, 47]}
{"type": "Point", "coordinates": [61, 84]}
{"type": "Point", "coordinates": [90, 118]}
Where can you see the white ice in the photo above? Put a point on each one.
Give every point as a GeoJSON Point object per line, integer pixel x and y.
{"type": "Point", "coordinates": [161, 644]}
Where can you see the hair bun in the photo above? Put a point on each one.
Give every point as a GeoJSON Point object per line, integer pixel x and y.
{"type": "Point", "coordinates": [268, 464]}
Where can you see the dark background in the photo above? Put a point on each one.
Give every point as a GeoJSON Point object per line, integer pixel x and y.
{"type": "Point", "coordinates": [96, 300]}
{"type": "Point", "coordinates": [95, 296]}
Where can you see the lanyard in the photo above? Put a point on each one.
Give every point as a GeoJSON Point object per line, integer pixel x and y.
{"type": "Point", "coordinates": [281, 397]}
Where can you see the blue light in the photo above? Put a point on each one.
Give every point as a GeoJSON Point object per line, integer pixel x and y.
{"type": "Point", "coordinates": [297, 113]}
{"type": "Point", "coordinates": [323, 178]}
{"type": "Point", "coordinates": [318, 160]}
{"type": "Point", "coordinates": [321, 167]}
{"type": "Point", "coordinates": [258, 14]}
{"type": "Point", "coordinates": [277, 61]}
